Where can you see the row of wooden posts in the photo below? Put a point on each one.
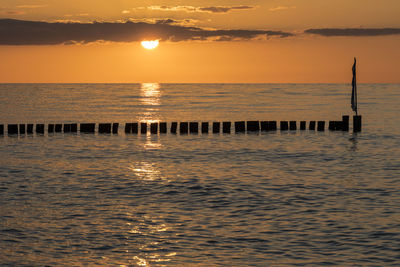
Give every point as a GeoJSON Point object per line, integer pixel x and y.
{"type": "Point", "coordinates": [184, 127]}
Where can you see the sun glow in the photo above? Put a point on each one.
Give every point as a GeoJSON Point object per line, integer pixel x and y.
{"type": "Point", "coordinates": [150, 44]}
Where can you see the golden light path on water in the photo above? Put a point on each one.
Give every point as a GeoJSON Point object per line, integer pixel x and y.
{"type": "Point", "coordinates": [150, 97]}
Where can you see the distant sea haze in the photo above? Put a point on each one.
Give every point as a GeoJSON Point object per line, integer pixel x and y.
{"type": "Point", "coordinates": [255, 199]}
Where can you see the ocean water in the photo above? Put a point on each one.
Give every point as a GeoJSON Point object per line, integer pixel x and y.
{"type": "Point", "coordinates": [295, 198]}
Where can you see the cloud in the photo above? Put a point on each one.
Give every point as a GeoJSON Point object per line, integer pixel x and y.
{"type": "Point", "coordinates": [329, 32]}
{"type": "Point", "coordinates": [223, 9]}
{"type": "Point", "coordinates": [21, 32]}
{"type": "Point", "coordinates": [209, 9]}
{"type": "Point", "coordinates": [31, 6]}
{"type": "Point", "coordinates": [280, 8]}
{"type": "Point", "coordinates": [11, 12]}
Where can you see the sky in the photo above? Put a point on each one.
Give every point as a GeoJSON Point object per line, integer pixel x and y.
{"type": "Point", "coordinates": [272, 41]}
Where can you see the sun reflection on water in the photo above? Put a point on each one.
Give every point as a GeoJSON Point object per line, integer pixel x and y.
{"type": "Point", "coordinates": [150, 96]}
{"type": "Point", "coordinates": [145, 171]}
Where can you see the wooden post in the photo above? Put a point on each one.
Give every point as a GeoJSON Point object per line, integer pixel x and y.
{"type": "Point", "coordinates": [253, 126]}
{"type": "Point", "coordinates": [345, 123]}
{"type": "Point", "coordinates": [74, 127]}
{"type": "Point", "coordinates": [143, 127]}
{"type": "Point", "coordinates": [22, 129]}
{"type": "Point", "coordinates": [226, 127]}
{"type": "Point", "coordinates": [29, 129]}
{"type": "Point", "coordinates": [184, 128]}
{"type": "Point", "coordinates": [174, 126]}
{"type": "Point", "coordinates": [87, 127]}
{"type": "Point", "coordinates": [312, 126]}
{"type": "Point", "coordinates": [1, 129]}
{"type": "Point", "coordinates": [50, 128]}
{"type": "Point", "coordinates": [331, 126]}
{"type": "Point", "coordinates": [284, 126]}
{"type": "Point", "coordinates": [154, 128]}
{"type": "Point", "coordinates": [128, 128]}
{"type": "Point", "coordinates": [321, 126]}
{"type": "Point", "coordinates": [104, 128]}
{"type": "Point", "coordinates": [264, 126]}
{"type": "Point", "coordinates": [240, 126]}
{"type": "Point", "coordinates": [302, 125]}
{"type": "Point", "coordinates": [12, 129]}
{"type": "Point", "coordinates": [204, 127]}
{"type": "Point", "coordinates": [216, 127]}
{"type": "Point", "coordinates": [339, 126]}
{"type": "Point", "coordinates": [58, 128]}
{"type": "Point", "coordinates": [272, 126]}
{"type": "Point", "coordinates": [115, 127]}
{"type": "Point", "coordinates": [67, 128]}
{"type": "Point", "coordinates": [293, 125]}
{"type": "Point", "coordinates": [357, 123]}
{"type": "Point", "coordinates": [40, 128]}
{"type": "Point", "coordinates": [194, 127]}
{"type": "Point", "coordinates": [163, 127]}
{"type": "Point", "coordinates": [135, 128]}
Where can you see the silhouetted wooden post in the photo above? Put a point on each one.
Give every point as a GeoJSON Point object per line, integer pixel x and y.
{"type": "Point", "coordinates": [135, 128]}
{"type": "Point", "coordinates": [272, 126]}
{"type": "Point", "coordinates": [338, 125]}
{"type": "Point", "coordinates": [331, 126]}
{"type": "Point", "coordinates": [87, 127]}
{"type": "Point", "coordinates": [345, 123]}
{"type": "Point", "coordinates": [312, 126]}
{"type": "Point", "coordinates": [58, 128]}
{"type": "Point", "coordinates": [29, 129]}
{"type": "Point", "coordinates": [74, 127]}
{"type": "Point", "coordinates": [40, 128]}
{"type": "Point", "coordinates": [321, 126]}
{"type": "Point", "coordinates": [22, 129]}
{"type": "Point", "coordinates": [115, 127]}
{"type": "Point", "coordinates": [302, 125]}
{"type": "Point", "coordinates": [240, 126]}
{"type": "Point", "coordinates": [194, 127]}
{"type": "Point", "coordinates": [284, 126]}
{"type": "Point", "coordinates": [12, 129]}
{"type": "Point", "coordinates": [163, 127]}
{"type": "Point", "coordinates": [174, 127]}
{"type": "Point", "coordinates": [128, 128]}
{"type": "Point", "coordinates": [264, 126]}
{"type": "Point", "coordinates": [1, 129]}
{"type": "Point", "coordinates": [226, 127]}
{"type": "Point", "coordinates": [104, 128]}
{"type": "Point", "coordinates": [204, 127]}
{"type": "Point", "coordinates": [67, 128]}
{"type": "Point", "coordinates": [154, 128]}
{"type": "Point", "coordinates": [50, 128]}
{"type": "Point", "coordinates": [143, 127]}
{"type": "Point", "coordinates": [253, 126]}
{"type": "Point", "coordinates": [357, 123]}
{"type": "Point", "coordinates": [216, 127]}
{"type": "Point", "coordinates": [184, 128]}
{"type": "Point", "coordinates": [293, 125]}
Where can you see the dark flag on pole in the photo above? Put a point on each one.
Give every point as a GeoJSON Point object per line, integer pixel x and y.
{"type": "Point", "coordinates": [354, 91]}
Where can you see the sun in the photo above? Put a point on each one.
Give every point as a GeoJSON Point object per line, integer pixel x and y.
{"type": "Point", "coordinates": [150, 44]}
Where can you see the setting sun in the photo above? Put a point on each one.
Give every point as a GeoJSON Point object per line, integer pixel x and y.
{"type": "Point", "coordinates": [150, 44]}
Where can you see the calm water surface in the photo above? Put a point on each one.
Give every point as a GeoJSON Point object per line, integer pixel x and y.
{"type": "Point", "coordinates": [269, 199]}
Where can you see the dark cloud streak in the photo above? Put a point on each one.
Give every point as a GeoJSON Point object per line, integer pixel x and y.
{"type": "Point", "coordinates": [223, 9]}
{"type": "Point", "coordinates": [331, 32]}
{"type": "Point", "coordinates": [19, 32]}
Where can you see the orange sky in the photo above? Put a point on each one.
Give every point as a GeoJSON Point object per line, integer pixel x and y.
{"type": "Point", "coordinates": [271, 56]}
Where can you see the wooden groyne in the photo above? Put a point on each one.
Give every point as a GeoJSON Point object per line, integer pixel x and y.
{"type": "Point", "coordinates": [182, 128]}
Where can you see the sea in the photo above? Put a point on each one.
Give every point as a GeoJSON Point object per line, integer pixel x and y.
{"type": "Point", "coordinates": [278, 198]}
